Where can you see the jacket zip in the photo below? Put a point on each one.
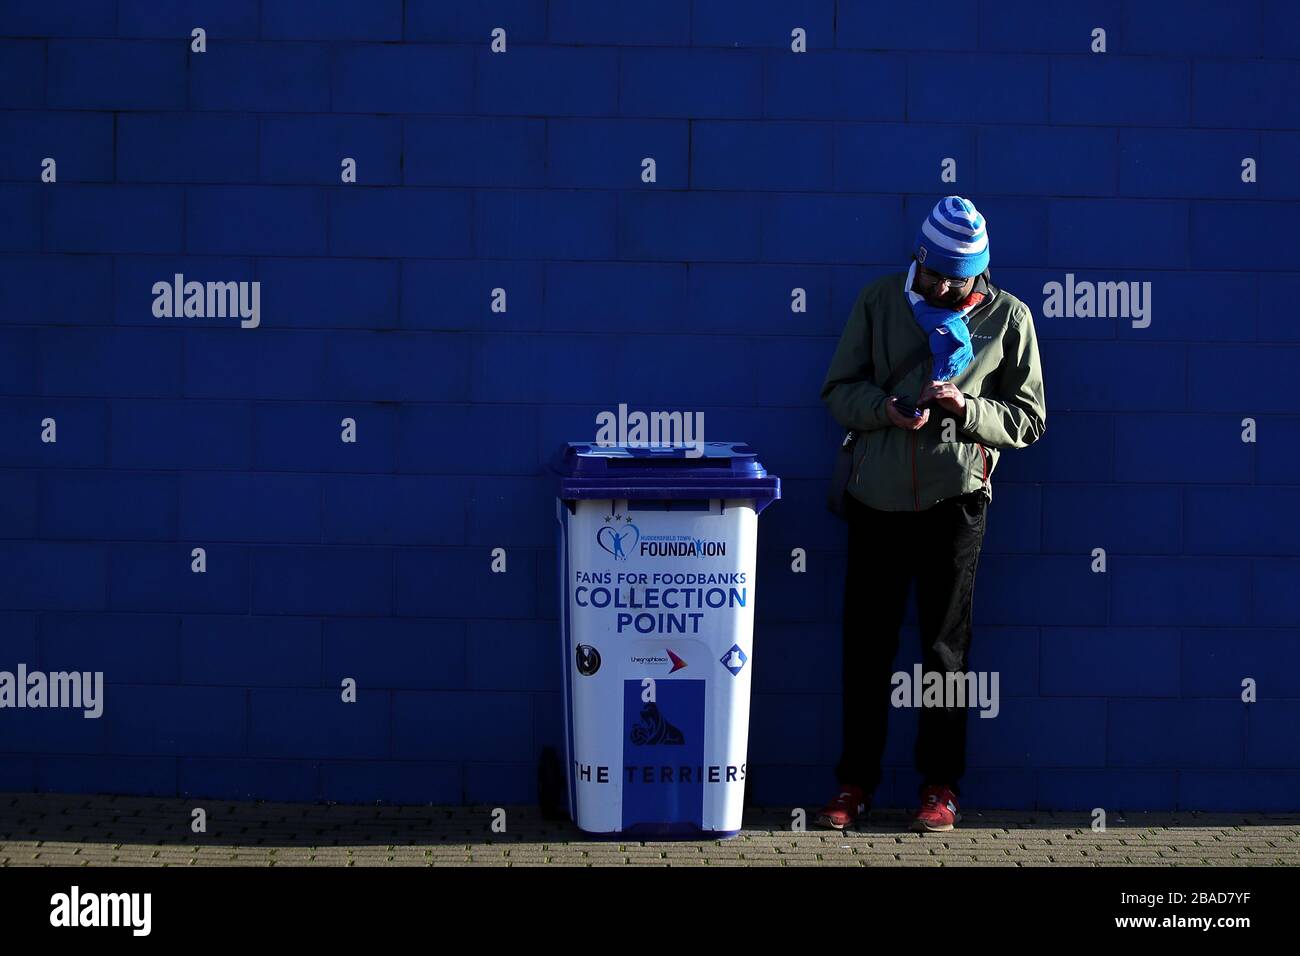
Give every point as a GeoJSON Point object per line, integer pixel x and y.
{"type": "Point", "coordinates": [916, 491]}
{"type": "Point", "coordinates": [916, 494]}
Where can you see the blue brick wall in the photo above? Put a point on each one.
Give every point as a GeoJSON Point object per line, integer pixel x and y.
{"type": "Point", "coordinates": [522, 171]}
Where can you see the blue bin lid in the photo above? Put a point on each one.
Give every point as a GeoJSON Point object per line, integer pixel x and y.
{"type": "Point", "coordinates": [726, 469]}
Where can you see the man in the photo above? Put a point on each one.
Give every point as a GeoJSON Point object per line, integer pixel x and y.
{"type": "Point", "coordinates": [920, 487]}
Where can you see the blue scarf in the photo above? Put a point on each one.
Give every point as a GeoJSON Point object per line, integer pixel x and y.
{"type": "Point", "coordinates": [946, 328]}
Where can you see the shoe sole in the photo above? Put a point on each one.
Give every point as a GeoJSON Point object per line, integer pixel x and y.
{"type": "Point", "coordinates": [822, 821]}
{"type": "Point", "coordinates": [920, 826]}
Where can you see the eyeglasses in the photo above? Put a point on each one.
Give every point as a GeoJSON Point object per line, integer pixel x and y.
{"type": "Point", "coordinates": [934, 279]}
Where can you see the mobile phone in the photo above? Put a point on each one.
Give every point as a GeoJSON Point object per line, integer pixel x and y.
{"type": "Point", "coordinates": [905, 409]}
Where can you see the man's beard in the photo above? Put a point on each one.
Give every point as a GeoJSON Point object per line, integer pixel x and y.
{"type": "Point", "coordinates": [948, 301]}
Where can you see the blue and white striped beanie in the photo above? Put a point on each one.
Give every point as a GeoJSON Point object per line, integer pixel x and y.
{"type": "Point", "coordinates": [952, 240]}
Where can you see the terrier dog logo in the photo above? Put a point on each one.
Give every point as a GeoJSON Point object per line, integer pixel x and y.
{"type": "Point", "coordinates": [653, 729]}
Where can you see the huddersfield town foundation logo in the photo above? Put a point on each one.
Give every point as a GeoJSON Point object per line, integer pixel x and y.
{"type": "Point", "coordinates": [621, 539]}
{"type": "Point", "coordinates": [618, 536]}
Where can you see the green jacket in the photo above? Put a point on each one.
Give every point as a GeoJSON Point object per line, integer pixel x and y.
{"type": "Point", "coordinates": [898, 470]}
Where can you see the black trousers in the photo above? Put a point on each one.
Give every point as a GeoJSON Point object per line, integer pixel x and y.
{"type": "Point", "coordinates": [940, 548]}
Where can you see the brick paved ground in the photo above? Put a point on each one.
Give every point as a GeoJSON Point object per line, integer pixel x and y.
{"type": "Point", "coordinates": [62, 830]}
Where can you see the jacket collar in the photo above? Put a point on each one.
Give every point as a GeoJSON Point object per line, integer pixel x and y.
{"type": "Point", "coordinates": [982, 284]}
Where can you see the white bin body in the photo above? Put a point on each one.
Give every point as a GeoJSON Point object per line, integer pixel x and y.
{"type": "Point", "coordinates": [658, 620]}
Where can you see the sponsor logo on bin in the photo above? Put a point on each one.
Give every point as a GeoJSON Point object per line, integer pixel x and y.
{"type": "Point", "coordinates": [734, 660]}
{"type": "Point", "coordinates": [648, 660]}
{"type": "Point", "coordinates": [588, 659]}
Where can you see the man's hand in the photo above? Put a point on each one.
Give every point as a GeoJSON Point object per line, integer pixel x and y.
{"type": "Point", "coordinates": [948, 396]}
{"type": "Point", "coordinates": [905, 421]}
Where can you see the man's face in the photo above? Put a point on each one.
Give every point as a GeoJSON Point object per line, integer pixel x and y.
{"type": "Point", "coordinates": [939, 290]}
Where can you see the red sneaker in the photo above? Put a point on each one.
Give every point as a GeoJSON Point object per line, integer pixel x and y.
{"type": "Point", "coordinates": [939, 810]}
{"type": "Point", "coordinates": [845, 810]}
